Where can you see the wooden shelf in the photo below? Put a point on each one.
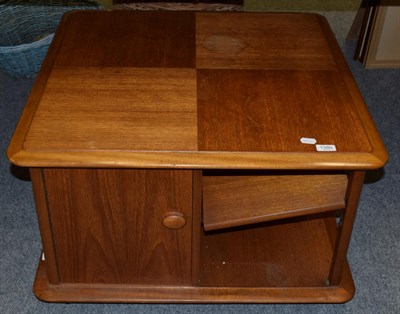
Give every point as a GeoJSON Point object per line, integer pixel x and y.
{"type": "Point", "coordinates": [296, 253]}
{"type": "Point", "coordinates": [230, 201]}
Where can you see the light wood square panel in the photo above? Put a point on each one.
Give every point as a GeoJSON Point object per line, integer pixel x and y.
{"type": "Point", "coordinates": [116, 108]}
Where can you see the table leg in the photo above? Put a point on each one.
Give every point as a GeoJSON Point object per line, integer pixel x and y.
{"type": "Point", "coordinates": [356, 180]}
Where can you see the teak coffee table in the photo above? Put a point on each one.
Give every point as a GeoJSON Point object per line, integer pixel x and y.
{"type": "Point", "coordinates": [195, 157]}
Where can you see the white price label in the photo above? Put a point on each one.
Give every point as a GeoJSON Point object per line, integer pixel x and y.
{"type": "Point", "coordinates": [308, 140]}
{"type": "Point", "coordinates": [326, 148]}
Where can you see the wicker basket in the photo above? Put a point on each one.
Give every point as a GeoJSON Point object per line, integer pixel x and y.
{"type": "Point", "coordinates": [26, 30]}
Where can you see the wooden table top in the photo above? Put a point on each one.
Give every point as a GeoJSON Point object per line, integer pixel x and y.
{"type": "Point", "coordinates": [195, 90]}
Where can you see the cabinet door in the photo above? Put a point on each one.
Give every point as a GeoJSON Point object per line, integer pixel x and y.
{"type": "Point", "coordinates": [107, 225]}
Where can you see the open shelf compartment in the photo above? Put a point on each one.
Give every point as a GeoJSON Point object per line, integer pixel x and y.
{"type": "Point", "coordinates": [293, 253]}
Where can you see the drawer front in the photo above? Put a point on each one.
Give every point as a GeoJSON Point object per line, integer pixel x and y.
{"type": "Point", "coordinates": [121, 226]}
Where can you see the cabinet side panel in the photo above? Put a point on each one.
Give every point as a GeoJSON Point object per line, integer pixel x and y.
{"type": "Point", "coordinates": [108, 225]}
{"type": "Point", "coordinates": [197, 225]}
{"type": "Point", "coordinates": [44, 223]}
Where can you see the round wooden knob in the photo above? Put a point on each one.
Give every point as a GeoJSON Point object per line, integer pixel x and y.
{"type": "Point", "coordinates": [174, 220]}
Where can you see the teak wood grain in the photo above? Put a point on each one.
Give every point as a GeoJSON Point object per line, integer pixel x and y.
{"type": "Point", "coordinates": [132, 118]}
{"type": "Point", "coordinates": [116, 109]}
{"type": "Point", "coordinates": [261, 42]}
{"type": "Point", "coordinates": [230, 201]}
{"type": "Point", "coordinates": [278, 87]}
{"type": "Point", "coordinates": [191, 294]}
{"type": "Point", "coordinates": [287, 254]}
{"type": "Point", "coordinates": [119, 39]}
{"type": "Point", "coordinates": [270, 111]}
{"type": "Point", "coordinates": [356, 180]}
{"type": "Point", "coordinates": [107, 225]}
{"type": "Point", "coordinates": [46, 233]}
